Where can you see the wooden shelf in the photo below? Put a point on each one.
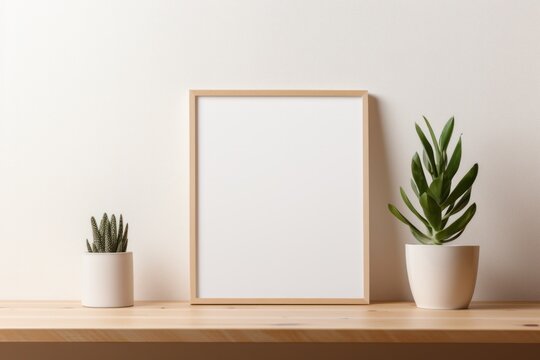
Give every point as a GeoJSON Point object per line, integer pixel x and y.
{"type": "Point", "coordinates": [179, 322]}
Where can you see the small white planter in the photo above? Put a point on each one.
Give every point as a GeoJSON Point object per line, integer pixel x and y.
{"type": "Point", "coordinates": [107, 279]}
{"type": "Point", "coordinates": [442, 276]}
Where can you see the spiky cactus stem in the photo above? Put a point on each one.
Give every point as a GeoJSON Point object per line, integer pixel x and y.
{"type": "Point", "coordinates": [107, 238]}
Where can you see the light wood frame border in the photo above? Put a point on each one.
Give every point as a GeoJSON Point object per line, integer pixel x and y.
{"type": "Point", "coordinates": [194, 95]}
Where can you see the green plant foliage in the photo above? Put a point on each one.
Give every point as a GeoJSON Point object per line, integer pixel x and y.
{"type": "Point", "coordinates": [106, 237]}
{"type": "Point", "coordinates": [437, 199]}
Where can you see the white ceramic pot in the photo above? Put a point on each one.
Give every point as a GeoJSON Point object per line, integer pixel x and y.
{"type": "Point", "coordinates": [107, 279]}
{"type": "Point", "coordinates": [442, 276]}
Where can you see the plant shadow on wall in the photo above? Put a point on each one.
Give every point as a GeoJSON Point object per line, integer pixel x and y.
{"type": "Point", "coordinates": [387, 268]}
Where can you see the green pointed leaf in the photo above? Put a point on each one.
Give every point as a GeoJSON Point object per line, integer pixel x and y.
{"type": "Point", "coordinates": [418, 174]}
{"type": "Point", "coordinates": [120, 246]}
{"type": "Point", "coordinates": [421, 237]}
{"type": "Point", "coordinates": [114, 237]}
{"type": "Point", "coordinates": [414, 188]}
{"type": "Point", "coordinates": [432, 211]}
{"type": "Point", "coordinates": [435, 145]}
{"type": "Point", "coordinates": [460, 205]}
{"type": "Point", "coordinates": [102, 229]}
{"type": "Point", "coordinates": [125, 239]}
{"type": "Point", "coordinates": [108, 243]}
{"type": "Point", "coordinates": [455, 160]}
{"type": "Point", "coordinates": [454, 237]}
{"type": "Point", "coordinates": [412, 208]}
{"type": "Point", "coordinates": [120, 228]}
{"type": "Point", "coordinates": [427, 148]}
{"type": "Point", "coordinates": [88, 247]}
{"type": "Point", "coordinates": [399, 215]}
{"type": "Point", "coordinates": [464, 185]}
{"type": "Point", "coordinates": [427, 164]}
{"type": "Point", "coordinates": [126, 232]}
{"type": "Point", "coordinates": [450, 208]}
{"type": "Point", "coordinates": [446, 134]}
{"type": "Point", "coordinates": [445, 190]}
{"type": "Point", "coordinates": [102, 224]}
{"type": "Point", "coordinates": [444, 160]}
{"type": "Point", "coordinates": [435, 189]}
{"type": "Point", "coordinates": [94, 248]}
{"type": "Point", "coordinates": [95, 230]}
{"type": "Point", "coordinates": [458, 225]}
{"type": "Point", "coordinates": [444, 221]}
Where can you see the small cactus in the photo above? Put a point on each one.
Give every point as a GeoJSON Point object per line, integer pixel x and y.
{"type": "Point", "coordinates": [107, 238]}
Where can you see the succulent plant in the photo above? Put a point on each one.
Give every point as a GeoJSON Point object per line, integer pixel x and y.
{"type": "Point", "coordinates": [108, 238]}
{"type": "Point", "coordinates": [438, 201]}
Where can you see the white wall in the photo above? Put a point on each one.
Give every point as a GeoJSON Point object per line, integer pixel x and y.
{"type": "Point", "coordinates": [94, 111]}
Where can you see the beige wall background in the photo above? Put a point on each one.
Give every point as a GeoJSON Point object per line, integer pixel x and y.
{"type": "Point", "coordinates": [94, 117]}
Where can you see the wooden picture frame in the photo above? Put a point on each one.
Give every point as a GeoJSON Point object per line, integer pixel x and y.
{"type": "Point", "coordinates": [213, 106]}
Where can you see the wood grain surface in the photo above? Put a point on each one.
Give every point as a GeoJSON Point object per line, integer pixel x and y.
{"type": "Point", "coordinates": [485, 322]}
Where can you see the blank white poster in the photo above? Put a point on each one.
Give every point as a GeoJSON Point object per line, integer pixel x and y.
{"type": "Point", "coordinates": [280, 197]}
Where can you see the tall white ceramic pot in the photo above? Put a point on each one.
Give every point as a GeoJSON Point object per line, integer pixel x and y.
{"type": "Point", "coordinates": [442, 276]}
{"type": "Point", "coordinates": [107, 279]}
